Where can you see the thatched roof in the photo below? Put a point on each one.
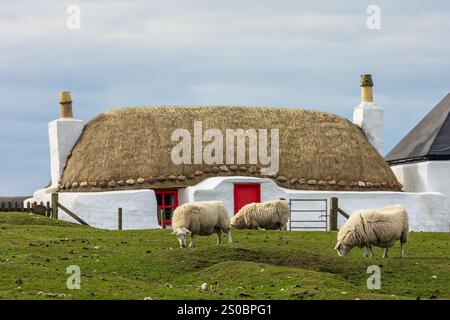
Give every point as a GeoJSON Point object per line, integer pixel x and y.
{"type": "Point", "coordinates": [131, 149]}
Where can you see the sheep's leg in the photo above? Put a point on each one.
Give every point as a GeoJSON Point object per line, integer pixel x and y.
{"type": "Point", "coordinates": [402, 250]}
{"type": "Point", "coordinates": [366, 253]}
{"type": "Point", "coordinates": [385, 253]}
{"type": "Point", "coordinates": [219, 238]}
{"type": "Point", "coordinates": [230, 240]}
{"type": "Point", "coordinates": [371, 252]}
{"type": "Point", "coordinates": [191, 245]}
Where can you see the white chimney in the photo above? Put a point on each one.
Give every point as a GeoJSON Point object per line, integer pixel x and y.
{"type": "Point", "coordinates": [369, 116]}
{"type": "Point", "coordinates": [63, 134]}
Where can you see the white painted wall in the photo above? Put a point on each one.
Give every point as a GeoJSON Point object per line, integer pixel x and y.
{"type": "Point", "coordinates": [427, 211]}
{"type": "Point", "coordinates": [370, 117]}
{"type": "Point", "coordinates": [427, 176]}
{"type": "Point", "coordinates": [100, 209]}
{"type": "Point", "coordinates": [424, 176]}
{"type": "Point", "coordinates": [42, 195]}
{"type": "Point", "coordinates": [221, 188]}
{"type": "Point", "coordinates": [63, 134]}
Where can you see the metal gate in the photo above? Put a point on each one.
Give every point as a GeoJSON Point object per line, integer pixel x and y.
{"type": "Point", "coordinates": [308, 214]}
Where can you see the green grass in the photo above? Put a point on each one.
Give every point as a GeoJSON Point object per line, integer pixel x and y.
{"type": "Point", "coordinates": [35, 252]}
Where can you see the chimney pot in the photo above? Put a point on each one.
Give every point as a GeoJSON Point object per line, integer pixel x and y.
{"type": "Point", "coordinates": [65, 101]}
{"type": "Point", "coordinates": [366, 88]}
{"type": "Point", "coordinates": [366, 80]}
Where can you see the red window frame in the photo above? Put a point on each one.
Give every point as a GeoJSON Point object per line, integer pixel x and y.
{"type": "Point", "coordinates": [167, 222]}
{"type": "Point", "coordinates": [236, 187]}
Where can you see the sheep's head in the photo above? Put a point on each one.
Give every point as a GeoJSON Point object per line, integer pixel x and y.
{"type": "Point", "coordinates": [237, 222]}
{"type": "Point", "coordinates": [182, 234]}
{"type": "Point", "coordinates": [342, 249]}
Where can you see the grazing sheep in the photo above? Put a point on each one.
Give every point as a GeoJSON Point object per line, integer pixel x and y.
{"type": "Point", "coordinates": [272, 215]}
{"type": "Point", "coordinates": [379, 227]}
{"type": "Point", "coordinates": [201, 218]}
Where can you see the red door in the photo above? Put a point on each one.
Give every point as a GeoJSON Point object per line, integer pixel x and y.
{"type": "Point", "coordinates": [167, 202]}
{"type": "Point", "coordinates": [245, 193]}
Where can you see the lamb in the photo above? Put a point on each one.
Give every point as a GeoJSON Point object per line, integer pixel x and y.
{"type": "Point", "coordinates": [201, 218]}
{"type": "Point", "coordinates": [379, 227]}
{"type": "Point", "coordinates": [272, 215]}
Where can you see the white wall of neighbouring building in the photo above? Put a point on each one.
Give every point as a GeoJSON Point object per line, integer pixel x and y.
{"type": "Point", "coordinates": [426, 176]}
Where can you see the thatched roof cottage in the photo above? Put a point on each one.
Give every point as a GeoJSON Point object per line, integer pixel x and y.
{"type": "Point", "coordinates": [148, 160]}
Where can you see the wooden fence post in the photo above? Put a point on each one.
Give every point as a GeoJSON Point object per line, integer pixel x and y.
{"type": "Point", "coordinates": [55, 205]}
{"type": "Point", "coordinates": [120, 218]}
{"type": "Point", "coordinates": [333, 214]}
{"type": "Point", "coordinates": [48, 212]}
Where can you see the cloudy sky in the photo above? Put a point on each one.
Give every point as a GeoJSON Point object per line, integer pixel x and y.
{"type": "Point", "coordinates": [210, 52]}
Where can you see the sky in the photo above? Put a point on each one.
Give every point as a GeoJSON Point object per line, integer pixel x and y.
{"type": "Point", "coordinates": [287, 53]}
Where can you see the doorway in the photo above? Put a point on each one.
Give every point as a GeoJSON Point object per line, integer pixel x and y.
{"type": "Point", "coordinates": [167, 202]}
{"type": "Point", "coordinates": [245, 193]}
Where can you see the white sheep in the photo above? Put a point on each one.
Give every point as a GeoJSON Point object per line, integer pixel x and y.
{"type": "Point", "coordinates": [378, 227]}
{"type": "Point", "coordinates": [201, 218]}
{"type": "Point", "coordinates": [272, 215]}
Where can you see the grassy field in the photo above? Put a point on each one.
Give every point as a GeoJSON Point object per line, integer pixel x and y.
{"type": "Point", "coordinates": [35, 252]}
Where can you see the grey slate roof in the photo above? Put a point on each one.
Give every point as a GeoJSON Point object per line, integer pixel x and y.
{"type": "Point", "coordinates": [429, 140]}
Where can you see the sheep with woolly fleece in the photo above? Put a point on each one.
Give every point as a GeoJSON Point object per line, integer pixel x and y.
{"type": "Point", "coordinates": [374, 227]}
{"type": "Point", "coordinates": [272, 215]}
{"type": "Point", "coordinates": [201, 218]}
